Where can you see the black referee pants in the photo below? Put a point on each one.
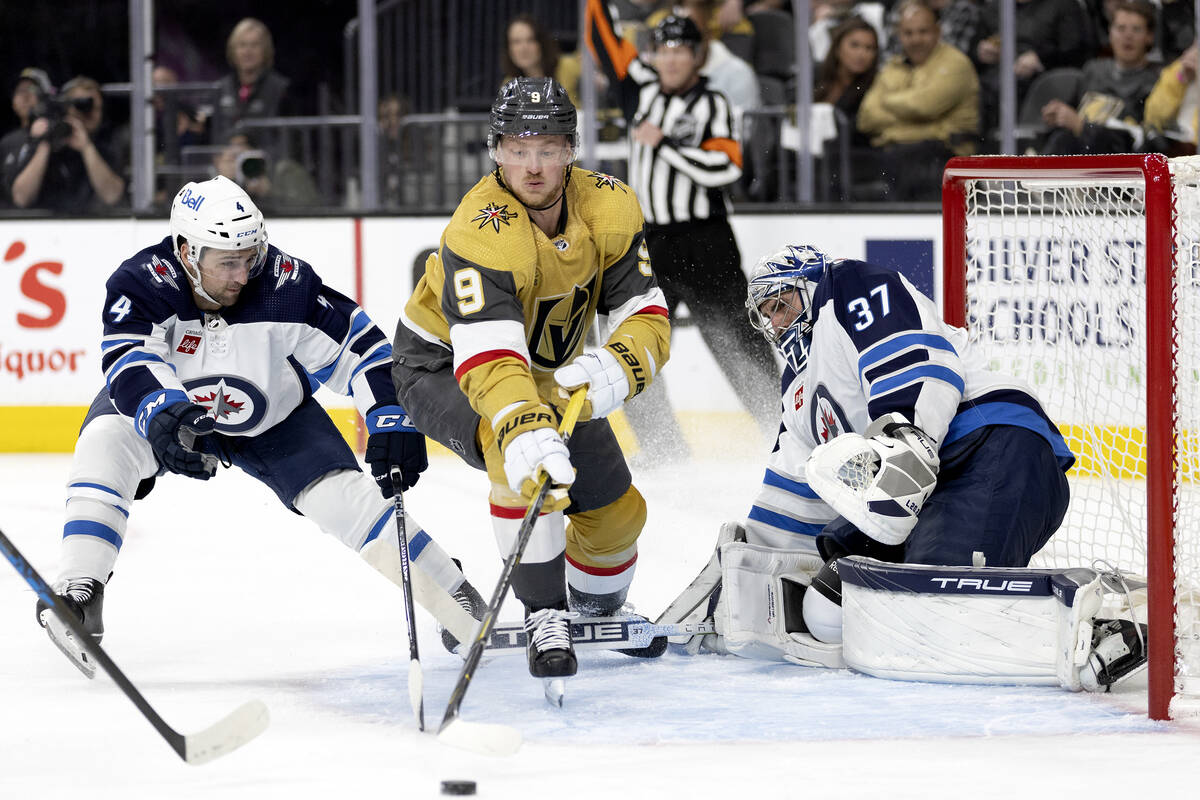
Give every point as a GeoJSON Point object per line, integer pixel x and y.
{"type": "Point", "coordinates": [698, 263]}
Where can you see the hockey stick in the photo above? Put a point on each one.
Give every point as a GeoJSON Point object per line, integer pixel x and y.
{"type": "Point", "coordinates": [416, 694]}
{"type": "Point", "coordinates": [597, 633]}
{"type": "Point", "coordinates": [485, 737]}
{"type": "Point", "coordinates": [223, 736]}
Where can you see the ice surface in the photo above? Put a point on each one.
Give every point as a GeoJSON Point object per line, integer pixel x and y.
{"type": "Point", "coordinates": [222, 596]}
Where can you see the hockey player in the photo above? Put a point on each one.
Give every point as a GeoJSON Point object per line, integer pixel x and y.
{"type": "Point", "coordinates": [214, 342]}
{"type": "Point", "coordinates": [897, 444]}
{"type": "Point", "coordinates": [493, 335]}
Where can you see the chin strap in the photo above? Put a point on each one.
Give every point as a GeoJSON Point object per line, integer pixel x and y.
{"type": "Point", "coordinates": [188, 265]}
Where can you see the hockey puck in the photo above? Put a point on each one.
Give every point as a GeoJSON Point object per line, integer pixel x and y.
{"type": "Point", "coordinates": [458, 787]}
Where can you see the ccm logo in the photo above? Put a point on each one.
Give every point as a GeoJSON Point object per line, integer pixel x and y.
{"type": "Point", "coordinates": [984, 585]}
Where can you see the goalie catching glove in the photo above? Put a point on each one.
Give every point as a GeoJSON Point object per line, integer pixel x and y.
{"type": "Point", "coordinates": [877, 480]}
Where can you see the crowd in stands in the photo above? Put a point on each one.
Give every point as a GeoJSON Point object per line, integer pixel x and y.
{"type": "Point", "coordinates": [909, 83]}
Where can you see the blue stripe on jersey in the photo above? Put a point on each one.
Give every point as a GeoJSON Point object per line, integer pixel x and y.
{"type": "Point", "coordinates": [418, 543]}
{"type": "Point", "coordinates": [377, 528]}
{"type": "Point", "coordinates": [138, 355]}
{"type": "Point", "coordinates": [893, 346]}
{"type": "Point", "coordinates": [789, 485]}
{"type": "Point", "coordinates": [384, 354]}
{"type": "Point", "coordinates": [111, 343]}
{"type": "Point", "coordinates": [789, 524]}
{"type": "Point", "coordinates": [1001, 413]}
{"type": "Point", "coordinates": [86, 527]}
{"type": "Point", "coordinates": [932, 371]}
{"type": "Point", "coordinates": [94, 486]}
{"type": "Point", "coordinates": [358, 322]}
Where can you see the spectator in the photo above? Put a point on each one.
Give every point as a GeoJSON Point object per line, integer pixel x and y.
{"type": "Point", "coordinates": [70, 161]}
{"type": "Point", "coordinates": [1115, 89]}
{"type": "Point", "coordinates": [275, 183]}
{"type": "Point", "coordinates": [397, 156]}
{"type": "Point", "coordinates": [176, 126]}
{"type": "Point", "coordinates": [253, 89]}
{"type": "Point", "coordinates": [850, 67]}
{"type": "Point", "coordinates": [33, 86]}
{"type": "Point", "coordinates": [922, 107]}
{"type": "Point", "coordinates": [1173, 106]}
{"type": "Point", "coordinates": [958, 19]}
{"type": "Point", "coordinates": [828, 14]}
{"type": "Point", "coordinates": [530, 51]}
{"type": "Point", "coordinates": [1050, 34]}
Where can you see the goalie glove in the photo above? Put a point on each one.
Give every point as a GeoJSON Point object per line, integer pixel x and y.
{"type": "Point", "coordinates": [878, 480]}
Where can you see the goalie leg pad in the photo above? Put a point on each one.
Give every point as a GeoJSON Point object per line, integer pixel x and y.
{"type": "Point", "coordinates": [967, 624]}
{"type": "Point", "coordinates": [760, 612]}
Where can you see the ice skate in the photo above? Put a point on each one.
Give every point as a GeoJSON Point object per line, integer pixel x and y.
{"type": "Point", "coordinates": [471, 601]}
{"type": "Point", "coordinates": [551, 654]}
{"type": "Point", "coordinates": [1118, 652]}
{"type": "Point", "coordinates": [613, 605]}
{"type": "Point", "coordinates": [84, 597]}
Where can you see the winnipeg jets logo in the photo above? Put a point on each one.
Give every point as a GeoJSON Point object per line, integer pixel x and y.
{"type": "Point", "coordinates": [603, 180]}
{"type": "Point", "coordinates": [493, 214]}
{"type": "Point", "coordinates": [826, 416]}
{"type": "Point", "coordinates": [162, 272]}
{"type": "Point", "coordinates": [222, 403]}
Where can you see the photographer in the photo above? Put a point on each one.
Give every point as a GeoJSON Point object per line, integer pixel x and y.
{"type": "Point", "coordinates": [69, 162]}
{"type": "Point", "coordinates": [31, 85]}
{"type": "Point", "coordinates": [275, 184]}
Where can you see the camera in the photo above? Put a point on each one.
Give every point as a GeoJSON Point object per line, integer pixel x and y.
{"type": "Point", "coordinates": [251, 164]}
{"type": "Point", "coordinates": [54, 109]}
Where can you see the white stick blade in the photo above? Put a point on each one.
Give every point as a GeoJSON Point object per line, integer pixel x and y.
{"type": "Point", "coordinates": [416, 693]}
{"type": "Point", "coordinates": [228, 734]}
{"type": "Point", "coordinates": [481, 737]}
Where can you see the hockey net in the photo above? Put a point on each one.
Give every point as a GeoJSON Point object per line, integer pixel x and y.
{"type": "Point", "coordinates": [1081, 275]}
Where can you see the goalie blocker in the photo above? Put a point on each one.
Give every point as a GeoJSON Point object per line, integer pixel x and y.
{"type": "Point", "coordinates": [931, 623]}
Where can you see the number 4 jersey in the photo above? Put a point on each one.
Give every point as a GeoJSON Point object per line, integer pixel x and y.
{"type": "Point", "coordinates": [877, 346]}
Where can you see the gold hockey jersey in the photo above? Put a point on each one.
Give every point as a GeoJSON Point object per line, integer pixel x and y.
{"type": "Point", "coordinates": [512, 305]}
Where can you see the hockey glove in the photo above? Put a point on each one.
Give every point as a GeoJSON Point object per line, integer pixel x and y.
{"type": "Point", "coordinates": [605, 378]}
{"type": "Point", "coordinates": [878, 480]}
{"type": "Point", "coordinates": [173, 434]}
{"type": "Point", "coordinates": [393, 439]}
{"type": "Point", "coordinates": [529, 454]}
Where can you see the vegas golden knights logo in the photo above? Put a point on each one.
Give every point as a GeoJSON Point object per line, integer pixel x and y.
{"type": "Point", "coordinates": [559, 324]}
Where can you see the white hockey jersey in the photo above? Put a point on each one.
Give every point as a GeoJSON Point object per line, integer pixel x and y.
{"type": "Point", "coordinates": [877, 346]}
{"type": "Point", "coordinates": [253, 363]}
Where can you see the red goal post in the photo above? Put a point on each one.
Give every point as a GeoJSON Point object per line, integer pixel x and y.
{"type": "Point", "coordinates": [1081, 275]}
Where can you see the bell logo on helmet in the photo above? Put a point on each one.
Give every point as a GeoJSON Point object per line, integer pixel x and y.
{"type": "Point", "coordinates": [191, 200]}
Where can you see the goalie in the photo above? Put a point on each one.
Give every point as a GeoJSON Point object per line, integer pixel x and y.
{"type": "Point", "coordinates": [940, 477]}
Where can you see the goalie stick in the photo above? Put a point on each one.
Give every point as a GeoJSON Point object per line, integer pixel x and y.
{"type": "Point", "coordinates": [597, 633]}
{"type": "Point", "coordinates": [416, 681]}
{"type": "Point", "coordinates": [485, 737]}
{"type": "Point", "coordinates": [222, 737]}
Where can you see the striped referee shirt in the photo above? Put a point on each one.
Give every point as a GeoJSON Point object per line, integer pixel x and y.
{"type": "Point", "coordinates": [682, 179]}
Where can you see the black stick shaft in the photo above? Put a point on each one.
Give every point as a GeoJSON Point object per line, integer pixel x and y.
{"type": "Point", "coordinates": [570, 417]}
{"type": "Point", "coordinates": [410, 616]}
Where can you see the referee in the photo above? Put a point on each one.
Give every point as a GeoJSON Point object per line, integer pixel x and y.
{"type": "Point", "coordinates": [684, 153]}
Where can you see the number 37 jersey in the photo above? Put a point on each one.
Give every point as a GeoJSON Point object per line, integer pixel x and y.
{"type": "Point", "coordinates": [878, 346]}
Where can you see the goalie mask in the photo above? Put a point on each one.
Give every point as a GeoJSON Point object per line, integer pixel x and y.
{"type": "Point", "coordinates": [530, 107]}
{"type": "Point", "coordinates": [219, 214]}
{"type": "Point", "coordinates": [779, 299]}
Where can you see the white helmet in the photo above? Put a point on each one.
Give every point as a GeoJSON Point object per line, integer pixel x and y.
{"type": "Point", "coordinates": [216, 213]}
{"type": "Point", "coordinates": [798, 267]}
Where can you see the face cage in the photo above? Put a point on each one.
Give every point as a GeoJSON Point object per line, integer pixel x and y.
{"type": "Point", "coordinates": [792, 341]}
